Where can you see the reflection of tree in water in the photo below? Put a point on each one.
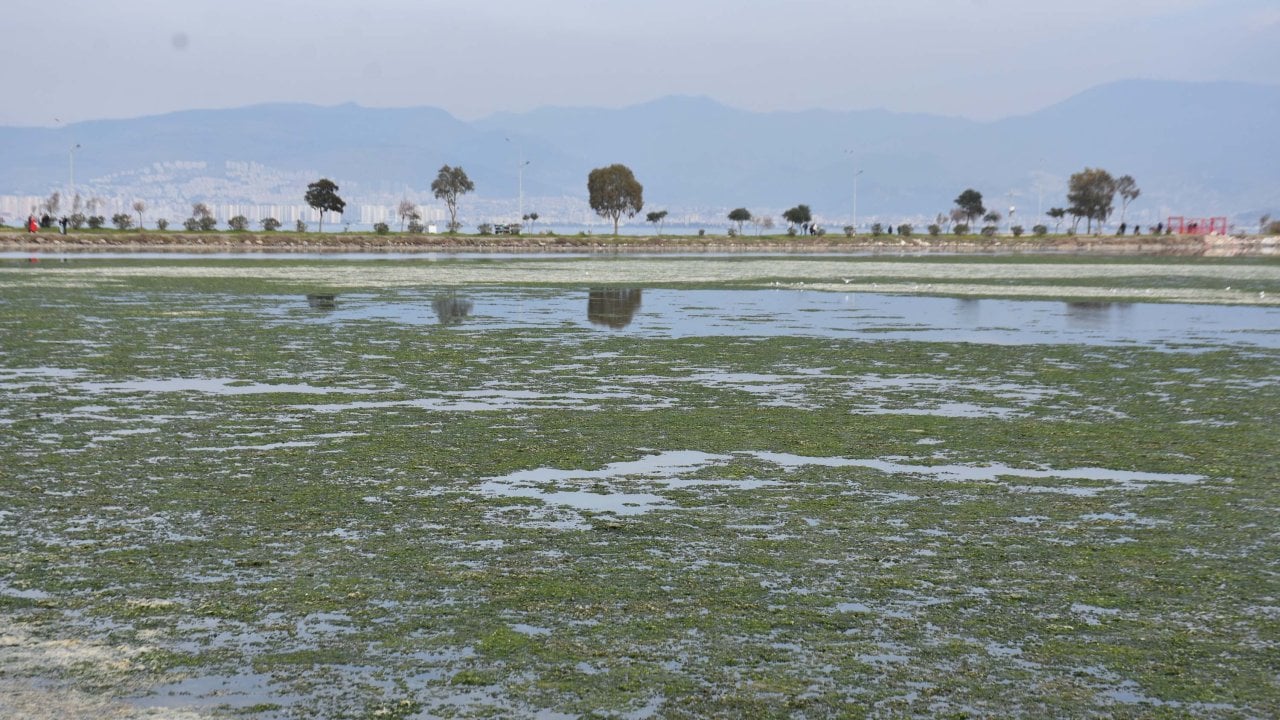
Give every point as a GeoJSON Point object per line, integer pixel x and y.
{"type": "Point", "coordinates": [613, 307]}
{"type": "Point", "coordinates": [451, 308]}
{"type": "Point", "coordinates": [322, 301]}
{"type": "Point", "coordinates": [1092, 313]}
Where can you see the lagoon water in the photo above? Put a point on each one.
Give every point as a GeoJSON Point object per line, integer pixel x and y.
{"type": "Point", "coordinates": [778, 312]}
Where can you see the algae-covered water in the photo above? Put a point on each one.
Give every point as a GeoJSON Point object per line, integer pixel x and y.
{"type": "Point", "coordinates": [750, 487]}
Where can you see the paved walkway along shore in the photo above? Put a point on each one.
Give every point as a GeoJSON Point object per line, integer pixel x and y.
{"type": "Point", "coordinates": [1216, 246]}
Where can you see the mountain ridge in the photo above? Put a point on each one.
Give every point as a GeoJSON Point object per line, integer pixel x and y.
{"type": "Point", "coordinates": [1195, 148]}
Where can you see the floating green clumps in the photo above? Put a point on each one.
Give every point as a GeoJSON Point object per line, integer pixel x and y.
{"type": "Point", "coordinates": [379, 518]}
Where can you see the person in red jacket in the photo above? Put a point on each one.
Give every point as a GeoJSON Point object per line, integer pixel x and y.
{"type": "Point", "coordinates": [31, 223]}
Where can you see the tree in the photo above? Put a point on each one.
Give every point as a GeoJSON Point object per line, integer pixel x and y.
{"type": "Point", "coordinates": [613, 191]}
{"type": "Point", "coordinates": [122, 221]}
{"type": "Point", "coordinates": [1128, 189]}
{"type": "Point", "coordinates": [405, 210]}
{"type": "Point", "coordinates": [449, 185]}
{"type": "Point", "coordinates": [239, 223]}
{"type": "Point", "coordinates": [270, 224]}
{"type": "Point", "coordinates": [139, 207]}
{"type": "Point", "coordinates": [767, 222]}
{"type": "Point", "coordinates": [658, 218]}
{"type": "Point", "coordinates": [322, 195]}
{"type": "Point", "coordinates": [1057, 214]}
{"type": "Point", "coordinates": [739, 215]}
{"type": "Point", "coordinates": [799, 215]}
{"type": "Point", "coordinates": [530, 218]}
{"type": "Point", "coordinates": [969, 203]}
{"type": "Point", "coordinates": [1091, 193]}
{"type": "Point", "coordinates": [52, 204]}
{"type": "Point", "coordinates": [162, 223]}
{"type": "Point", "coordinates": [201, 218]}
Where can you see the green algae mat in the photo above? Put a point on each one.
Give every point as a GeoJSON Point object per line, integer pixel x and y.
{"type": "Point", "coordinates": [622, 488]}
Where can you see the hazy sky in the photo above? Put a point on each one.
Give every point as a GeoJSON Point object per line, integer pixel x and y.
{"type": "Point", "coordinates": [85, 59]}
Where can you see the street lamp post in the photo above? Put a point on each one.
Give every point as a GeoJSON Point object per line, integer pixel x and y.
{"type": "Point", "coordinates": [520, 163]}
{"type": "Point", "coordinates": [856, 173]}
{"type": "Point", "coordinates": [855, 201]}
{"type": "Point", "coordinates": [71, 167]}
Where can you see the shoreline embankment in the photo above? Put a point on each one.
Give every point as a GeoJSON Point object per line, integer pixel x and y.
{"type": "Point", "coordinates": [89, 242]}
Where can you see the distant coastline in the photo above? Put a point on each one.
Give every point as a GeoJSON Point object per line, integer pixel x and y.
{"type": "Point", "coordinates": [88, 242]}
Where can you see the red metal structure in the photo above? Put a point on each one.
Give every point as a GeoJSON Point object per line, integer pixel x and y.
{"type": "Point", "coordinates": [1197, 226]}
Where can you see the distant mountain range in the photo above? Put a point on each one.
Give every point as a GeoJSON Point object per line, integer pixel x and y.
{"type": "Point", "coordinates": [1194, 148]}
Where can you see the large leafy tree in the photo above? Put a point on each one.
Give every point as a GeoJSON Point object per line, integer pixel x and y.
{"type": "Point", "coordinates": [799, 215]}
{"type": "Point", "coordinates": [740, 216]}
{"type": "Point", "coordinates": [450, 184]}
{"type": "Point", "coordinates": [613, 192]}
{"type": "Point", "coordinates": [1092, 193]}
{"type": "Point", "coordinates": [323, 196]}
{"type": "Point", "coordinates": [969, 202]}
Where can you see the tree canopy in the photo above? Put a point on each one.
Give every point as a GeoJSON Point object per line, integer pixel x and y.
{"type": "Point", "coordinates": [1092, 192]}
{"type": "Point", "coordinates": [323, 196]}
{"type": "Point", "coordinates": [450, 184]}
{"type": "Point", "coordinates": [799, 215]}
{"type": "Point", "coordinates": [969, 202]}
{"type": "Point", "coordinates": [740, 216]}
{"type": "Point", "coordinates": [613, 191]}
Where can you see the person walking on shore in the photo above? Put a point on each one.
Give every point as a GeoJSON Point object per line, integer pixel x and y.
{"type": "Point", "coordinates": [31, 223]}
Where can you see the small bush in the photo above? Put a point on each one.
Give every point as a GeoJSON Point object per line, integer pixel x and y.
{"type": "Point", "coordinates": [484, 229]}
{"type": "Point", "coordinates": [1017, 230]}
{"type": "Point", "coordinates": [1040, 230]}
{"type": "Point", "coordinates": [935, 230]}
{"type": "Point", "coordinates": [848, 231]}
{"type": "Point", "coordinates": [905, 229]}
{"type": "Point", "coordinates": [191, 224]}
{"type": "Point", "coordinates": [122, 221]}
{"type": "Point", "coordinates": [238, 223]}
{"type": "Point", "coordinates": [162, 223]}
{"type": "Point", "coordinates": [733, 232]}
{"type": "Point", "coordinates": [300, 226]}
{"type": "Point", "coordinates": [417, 228]}
{"type": "Point", "coordinates": [1272, 228]}
{"type": "Point", "coordinates": [702, 233]}
{"type": "Point", "coordinates": [877, 229]}
{"type": "Point", "coordinates": [791, 231]}
{"type": "Point", "coordinates": [454, 226]}
{"type": "Point", "coordinates": [207, 223]}
{"type": "Point", "coordinates": [381, 228]}
{"type": "Point", "coordinates": [989, 231]}
{"type": "Point", "coordinates": [270, 224]}
{"type": "Point", "coordinates": [960, 229]}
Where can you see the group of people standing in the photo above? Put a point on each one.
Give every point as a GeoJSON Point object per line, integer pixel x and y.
{"type": "Point", "coordinates": [46, 220]}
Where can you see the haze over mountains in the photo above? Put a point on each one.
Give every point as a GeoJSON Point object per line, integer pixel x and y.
{"type": "Point", "coordinates": [1195, 149]}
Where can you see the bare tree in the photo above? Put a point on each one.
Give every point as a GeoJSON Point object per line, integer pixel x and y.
{"type": "Point", "coordinates": [405, 210]}
{"type": "Point", "coordinates": [1127, 187]}
{"type": "Point", "coordinates": [139, 207]}
{"type": "Point", "coordinates": [53, 204]}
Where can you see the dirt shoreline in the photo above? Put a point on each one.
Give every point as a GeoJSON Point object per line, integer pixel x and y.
{"type": "Point", "coordinates": [1214, 246]}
